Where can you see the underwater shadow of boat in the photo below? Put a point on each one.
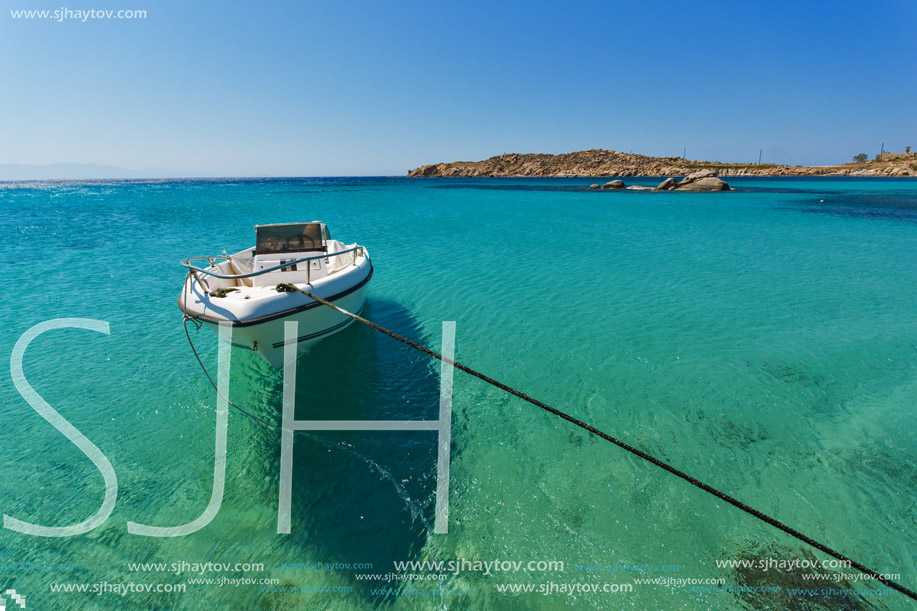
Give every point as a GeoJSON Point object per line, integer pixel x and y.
{"type": "Point", "coordinates": [362, 496]}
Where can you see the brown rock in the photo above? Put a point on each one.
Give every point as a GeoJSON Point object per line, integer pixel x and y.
{"type": "Point", "coordinates": [707, 183]}
{"type": "Point", "coordinates": [698, 175]}
{"type": "Point", "coordinates": [614, 184]}
{"type": "Point", "coordinates": [668, 184]}
{"type": "Point", "coordinates": [593, 186]}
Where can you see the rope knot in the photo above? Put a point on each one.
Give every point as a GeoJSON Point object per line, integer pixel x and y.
{"type": "Point", "coordinates": [221, 292]}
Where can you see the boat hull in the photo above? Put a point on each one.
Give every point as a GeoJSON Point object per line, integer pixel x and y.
{"type": "Point", "coordinates": [315, 324]}
{"type": "Point", "coordinates": [258, 313]}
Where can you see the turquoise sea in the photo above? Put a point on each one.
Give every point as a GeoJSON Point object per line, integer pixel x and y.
{"type": "Point", "coordinates": [762, 340]}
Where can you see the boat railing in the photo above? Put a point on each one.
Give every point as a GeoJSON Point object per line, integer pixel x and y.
{"type": "Point", "coordinates": [356, 251]}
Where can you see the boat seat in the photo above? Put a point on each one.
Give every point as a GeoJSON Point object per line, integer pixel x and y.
{"type": "Point", "coordinates": [236, 268]}
{"type": "Point", "coordinates": [295, 274]}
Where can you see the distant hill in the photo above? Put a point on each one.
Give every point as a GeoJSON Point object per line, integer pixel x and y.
{"type": "Point", "coordinates": [605, 162]}
{"type": "Point", "coordinates": [78, 171]}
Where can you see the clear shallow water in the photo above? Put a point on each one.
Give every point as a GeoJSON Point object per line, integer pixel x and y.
{"type": "Point", "coordinates": [761, 340]}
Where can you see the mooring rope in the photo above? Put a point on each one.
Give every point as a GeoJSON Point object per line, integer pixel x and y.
{"type": "Point", "coordinates": [214, 384]}
{"type": "Point", "coordinates": [285, 287]}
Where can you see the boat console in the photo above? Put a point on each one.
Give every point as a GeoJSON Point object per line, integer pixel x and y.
{"type": "Point", "coordinates": [280, 243]}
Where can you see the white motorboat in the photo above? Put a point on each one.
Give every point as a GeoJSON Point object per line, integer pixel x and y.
{"type": "Point", "coordinates": [242, 288]}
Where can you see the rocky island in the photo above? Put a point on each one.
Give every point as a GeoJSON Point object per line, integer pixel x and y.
{"type": "Point", "coordinates": [605, 162]}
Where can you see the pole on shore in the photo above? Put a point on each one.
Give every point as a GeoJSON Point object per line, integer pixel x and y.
{"type": "Point", "coordinates": [761, 152]}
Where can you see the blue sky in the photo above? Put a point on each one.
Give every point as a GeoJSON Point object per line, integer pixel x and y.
{"type": "Point", "coordinates": [376, 88]}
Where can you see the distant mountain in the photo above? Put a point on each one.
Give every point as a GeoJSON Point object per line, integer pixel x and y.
{"type": "Point", "coordinates": [78, 171]}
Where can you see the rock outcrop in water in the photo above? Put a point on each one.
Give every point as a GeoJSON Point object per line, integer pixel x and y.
{"type": "Point", "coordinates": [704, 180]}
{"type": "Point", "coordinates": [704, 184]}
{"type": "Point", "coordinates": [604, 162]}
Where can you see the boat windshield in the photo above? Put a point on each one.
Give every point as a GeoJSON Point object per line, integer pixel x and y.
{"type": "Point", "coordinates": [289, 237]}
